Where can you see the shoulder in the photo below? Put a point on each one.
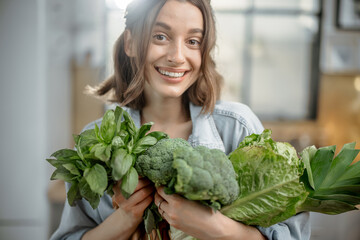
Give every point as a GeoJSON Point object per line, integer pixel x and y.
{"type": "Point", "coordinates": [237, 113]}
{"type": "Point", "coordinates": [225, 127]}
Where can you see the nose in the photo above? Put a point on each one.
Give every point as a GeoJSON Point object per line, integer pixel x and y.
{"type": "Point", "coordinates": [176, 53]}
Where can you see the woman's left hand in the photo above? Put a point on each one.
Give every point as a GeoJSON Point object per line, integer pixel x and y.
{"type": "Point", "coordinates": [188, 216]}
{"type": "Point", "coordinates": [200, 221]}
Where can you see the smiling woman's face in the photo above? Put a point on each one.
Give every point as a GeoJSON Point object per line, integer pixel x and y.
{"type": "Point", "coordinates": [174, 55]}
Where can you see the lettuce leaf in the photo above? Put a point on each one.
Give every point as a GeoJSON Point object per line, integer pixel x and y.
{"type": "Point", "coordinates": [275, 184]}
{"type": "Point", "coordinates": [270, 191]}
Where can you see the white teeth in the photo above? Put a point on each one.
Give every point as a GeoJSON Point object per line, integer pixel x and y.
{"type": "Point", "coordinates": [172, 74]}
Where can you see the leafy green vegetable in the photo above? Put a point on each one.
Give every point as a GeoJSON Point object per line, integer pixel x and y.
{"type": "Point", "coordinates": [129, 182]}
{"type": "Point", "coordinates": [262, 182]}
{"type": "Point", "coordinates": [103, 156]}
{"type": "Point", "coordinates": [275, 184]}
{"type": "Point", "coordinates": [336, 187]}
{"type": "Point", "coordinates": [269, 187]}
{"type": "Point", "coordinates": [96, 177]}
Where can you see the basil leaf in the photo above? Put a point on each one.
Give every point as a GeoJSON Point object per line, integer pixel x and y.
{"type": "Point", "coordinates": [97, 133]}
{"type": "Point", "coordinates": [143, 130]}
{"type": "Point", "coordinates": [97, 179]}
{"type": "Point", "coordinates": [86, 192]}
{"type": "Point", "coordinates": [75, 137]}
{"type": "Point", "coordinates": [109, 189]}
{"type": "Point", "coordinates": [101, 151]}
{"type": "Point", "coordinates": [120, 163]}
{"type": "Point", "coordinates": [123, 133]}
{"type": "Point", "coordinates": [149, 221]}
{"type": "Point", "coordinates": [73, 194]}
{"type": "Point", "coordinates": [118, 115]}
{"type": "Point", "coordinates": [129, 123]}
{"type": "Point", "coordinates": [78, 149]}
{"type": "Point", "coordinates": [62, 174]}
{"type": "Point", "coordinates": [108, 152]}
{"type": "Point", "coordinates": [58, 163]}
{"type": "Point", "coordinates": [130, 145]}
{"type": "Point", "coordinates": [108, 126]}
{"type": "Point", "coordinates": [158, 135]}
{"type": "Point", "coordinates": [72, 169]}
{"type": "Point", "coordinates": [143, 144]}
{"type": "Point", "coordinates": [65, 154]}
{"type": "Point", "coordinates": [129, 183]}
{"type": "Point", "coordinates": [117, 142]}
{"type": "Point", "coordinates": [80, 165]}
{"type": "Point", "coordinates": [88, 138]}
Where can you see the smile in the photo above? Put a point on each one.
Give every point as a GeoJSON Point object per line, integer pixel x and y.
{"type": "Point", "coordinates": [171, 74]}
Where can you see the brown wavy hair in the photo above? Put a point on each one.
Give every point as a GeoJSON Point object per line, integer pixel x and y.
{"type": "Point", "coordinates": [126, 85]}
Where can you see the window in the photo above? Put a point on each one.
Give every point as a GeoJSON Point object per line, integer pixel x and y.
{"type": "Point", "coordinates": [268, 52]}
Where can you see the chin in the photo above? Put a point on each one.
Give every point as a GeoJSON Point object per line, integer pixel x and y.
{"type": "Point", "coordinates": [173, 94]}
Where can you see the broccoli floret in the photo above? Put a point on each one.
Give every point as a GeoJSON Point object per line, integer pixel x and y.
{"type": "Point", "coordinates": [205, 174]}
{"type": "Point", "coordinates": [156, 162]}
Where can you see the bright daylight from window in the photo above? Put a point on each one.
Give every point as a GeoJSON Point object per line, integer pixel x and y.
{"type": "Point", "coordinates": [120, 4]}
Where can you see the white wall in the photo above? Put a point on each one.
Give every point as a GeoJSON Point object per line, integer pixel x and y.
{"type": "Point", "coordinates": [35, 98]}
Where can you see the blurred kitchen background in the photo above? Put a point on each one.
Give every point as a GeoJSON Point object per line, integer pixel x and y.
{"type": "Point", "coordinates": [296, 63]}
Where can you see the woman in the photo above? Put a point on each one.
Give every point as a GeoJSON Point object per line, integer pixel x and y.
{"type": "Point", "coordinates": [164, 73]}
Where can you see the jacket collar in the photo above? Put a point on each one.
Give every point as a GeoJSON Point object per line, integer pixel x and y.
{"type": "Point", "coordinates": [204, 131]}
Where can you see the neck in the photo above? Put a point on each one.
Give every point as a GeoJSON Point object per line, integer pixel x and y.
{"type": "Point", "coordinates": [165, 112]}
{"type": "Point", "coordinates": [171, 117]}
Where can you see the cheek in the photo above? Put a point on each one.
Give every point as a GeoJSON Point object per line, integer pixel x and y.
{"type": "Point", "coordinates": [155, 51]}
{"type": "Point", "coordinates": [197, 61]}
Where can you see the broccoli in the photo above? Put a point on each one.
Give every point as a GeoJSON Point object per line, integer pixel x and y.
{"type": "Point", "coordinates": [156, 162]}
{"type": "Point", "coordinates": [205, 174]}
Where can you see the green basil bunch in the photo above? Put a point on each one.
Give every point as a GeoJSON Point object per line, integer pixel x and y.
{"type": "Point", "coordinates": [104, 156]}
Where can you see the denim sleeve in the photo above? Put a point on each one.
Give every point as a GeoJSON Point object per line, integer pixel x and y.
{"type": "Point", "coordinates": [294, 228]}
{"type": "Point", "coordinates": [75, 221]}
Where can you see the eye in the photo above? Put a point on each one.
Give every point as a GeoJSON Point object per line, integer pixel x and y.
{"type": "Point", "coordinates": [194, 42]}
{"type": "Point", "coordinates": [159, 37]}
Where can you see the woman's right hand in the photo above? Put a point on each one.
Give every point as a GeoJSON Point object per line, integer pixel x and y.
{"type": "Point", "coordinates": [136, 204]}
{"type": "Point", "coordinates": [128, 215]}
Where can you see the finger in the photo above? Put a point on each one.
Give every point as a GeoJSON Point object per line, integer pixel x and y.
{"type": "Point", "coordinates": [167, 197]}
{"type": "Point", "coordinates": [141, 194]}
{"type": "Point", "coordinates": [164, 206]}
{"type": "Point", "coordinates": [114, 203]}
{"type": "Point", "coordinates": [160, 191]}
{"type": "Point", "coordinates": [143, 182]}
{"type": "Point", "coordinates": [145, 203]}
{"type": "Point", "coordinates": [161, 203]}
{"type": "Point", "coordinates": [157, 199]}
{"type": "Point", "coordinates": [163, 214]}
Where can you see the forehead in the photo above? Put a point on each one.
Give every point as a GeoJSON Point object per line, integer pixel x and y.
{"type": "Point", "coordinates": [181, 12]}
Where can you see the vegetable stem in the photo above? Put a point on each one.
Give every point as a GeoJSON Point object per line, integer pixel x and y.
{"type": "Point", "coordinates": [158, 233]}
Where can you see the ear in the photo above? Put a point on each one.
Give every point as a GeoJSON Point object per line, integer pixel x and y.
{"type": "Point", "coordinates": [128, 44]}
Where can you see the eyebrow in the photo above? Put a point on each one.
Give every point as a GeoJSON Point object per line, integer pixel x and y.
{"type": "Point", "coordinates": [167, 27]}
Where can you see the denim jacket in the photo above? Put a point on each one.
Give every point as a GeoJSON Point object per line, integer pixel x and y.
{"type": "Point", "coordinates": [223, 129]}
